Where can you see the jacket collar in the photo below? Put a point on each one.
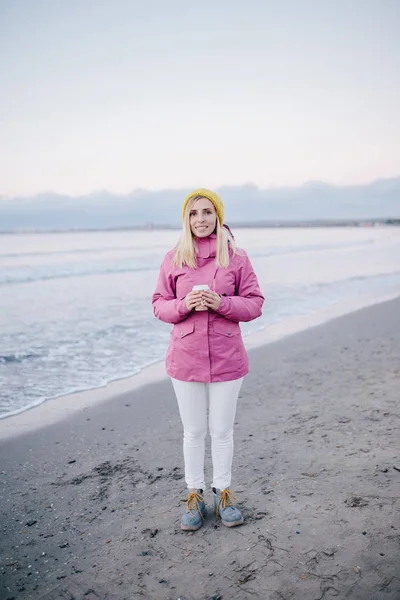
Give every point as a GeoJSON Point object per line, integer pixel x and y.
{"type": "Point", "coordinates": [207, 247]}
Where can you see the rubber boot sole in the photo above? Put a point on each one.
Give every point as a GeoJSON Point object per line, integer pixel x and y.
{"type": "Point", "coordinates": [232, 523]}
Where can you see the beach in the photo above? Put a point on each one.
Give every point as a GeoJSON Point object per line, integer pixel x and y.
{"type": "Point", "coordinates": [91, 502]}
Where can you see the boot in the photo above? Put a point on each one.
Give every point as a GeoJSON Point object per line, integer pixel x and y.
{"type": "Point", "coordinates": [193, 517]}
{"type": "Point", "coordinates": [225, 508]}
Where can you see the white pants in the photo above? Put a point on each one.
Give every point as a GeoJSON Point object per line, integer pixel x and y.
{"type": "Point", "coordinates": [192, 399]}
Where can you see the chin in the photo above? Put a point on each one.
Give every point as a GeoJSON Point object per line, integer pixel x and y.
{"type": "Point", "coordinates": [201, 234]}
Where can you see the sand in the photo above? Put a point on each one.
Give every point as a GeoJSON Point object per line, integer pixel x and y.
{"type": "Point", "coordinates": [90, 504]}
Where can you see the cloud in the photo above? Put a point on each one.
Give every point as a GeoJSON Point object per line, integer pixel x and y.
{"type": "Point", "coordinates": [243, 204]}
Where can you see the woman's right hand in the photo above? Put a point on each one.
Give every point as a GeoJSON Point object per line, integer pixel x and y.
{"type": "Point", "coordinates": [192, 300]}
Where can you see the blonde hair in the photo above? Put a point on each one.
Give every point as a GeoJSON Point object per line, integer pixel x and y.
{"type": "Point", "coordinates": [185, 253]}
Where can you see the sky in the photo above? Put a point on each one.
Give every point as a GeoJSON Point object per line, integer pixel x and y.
{"type": "Point", "coordinates": [124, 94]}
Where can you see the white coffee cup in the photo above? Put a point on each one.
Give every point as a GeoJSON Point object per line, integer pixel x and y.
{"type": "Point", "coordinates": [199, 288]}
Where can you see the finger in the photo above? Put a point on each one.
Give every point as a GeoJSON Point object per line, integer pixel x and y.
{"type": "Point", "coordinates": [209, 303]}
{"type": "Point", "coordinates": [212, 303]}
{"type": "Point", "coordinates": [209, 295]}
{"type": "Point", "coordinates": [192, 300]}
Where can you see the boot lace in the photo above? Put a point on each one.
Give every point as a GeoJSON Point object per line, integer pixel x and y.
{"type": "Point", "coordinates": [192, 503]}
{"type": "Point", "coordinates": [226, 499]}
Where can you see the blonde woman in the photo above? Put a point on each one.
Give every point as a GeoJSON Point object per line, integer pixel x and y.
{"type": "Point", "coordinates": [206, 286]}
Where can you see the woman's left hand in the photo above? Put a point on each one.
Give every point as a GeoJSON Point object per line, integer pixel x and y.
{"type": "Point", "coordinates": [211, 299]}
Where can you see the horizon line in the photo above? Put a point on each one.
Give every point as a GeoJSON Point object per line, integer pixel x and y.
{"type": "Point", "coordinates": [248, 184]}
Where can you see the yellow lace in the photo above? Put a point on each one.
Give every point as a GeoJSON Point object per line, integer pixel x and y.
{"type": "Point", "coordinates": [226, 499]}
{"type": "Point", "coordinates": [192, 503]}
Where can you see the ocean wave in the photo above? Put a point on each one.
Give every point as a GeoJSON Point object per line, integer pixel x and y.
{"type": "Point", "coordinates": [24, 277]}
{"type": "Point", "coordinates": [374, 277]}
{"type": "Point", "coordinates": [17, 358]}
{"type": "Point", "coordinates": [44, 273]}
{"type": "Point", "coordinates": [281, 251]}
{"type": "Point", "coordinates": [73, 252]}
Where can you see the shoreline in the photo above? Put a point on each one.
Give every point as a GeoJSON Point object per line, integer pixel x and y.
{"type": "Point", "coordinates": [63, 406]}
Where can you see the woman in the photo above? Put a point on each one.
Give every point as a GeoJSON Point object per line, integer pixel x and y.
{"type": "Point", "coordinates": [206, 358]}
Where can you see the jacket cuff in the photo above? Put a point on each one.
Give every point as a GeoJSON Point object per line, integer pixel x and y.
{"type": "Point", "coordinates": [224, 307]}
{"type": "Point", "coordinates": [182, 308]}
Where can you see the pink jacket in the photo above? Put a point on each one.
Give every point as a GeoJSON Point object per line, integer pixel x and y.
{"type": "Point", "coordinates": [207, 346]}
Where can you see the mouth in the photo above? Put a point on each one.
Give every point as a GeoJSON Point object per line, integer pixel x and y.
{"type": "Point", "coordinates": [202, 227]}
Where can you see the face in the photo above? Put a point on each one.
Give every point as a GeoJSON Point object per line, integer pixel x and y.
{"type": "Point", "coordinates": [203, 218]}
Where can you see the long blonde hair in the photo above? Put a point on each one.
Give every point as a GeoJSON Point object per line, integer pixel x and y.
{"type": "Point", "coordinates": [185, 253]}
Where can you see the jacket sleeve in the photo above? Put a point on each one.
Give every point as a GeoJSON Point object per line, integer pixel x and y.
{"type": "Point", "coordinates": [166, 306]}
{"type": "Point", "coordinates": [246, 305]}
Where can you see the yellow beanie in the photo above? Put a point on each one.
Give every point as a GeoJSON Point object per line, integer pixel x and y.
{"type": "Point", "coordinates": [212, 196]}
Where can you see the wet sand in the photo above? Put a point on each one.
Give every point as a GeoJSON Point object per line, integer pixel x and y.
{"type": "Point", "coordinates": [90, 505]}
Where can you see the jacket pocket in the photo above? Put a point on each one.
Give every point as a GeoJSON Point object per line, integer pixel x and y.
{"type": "Point", "coordinates": [227, 328]}
{"type": "Point", "coordinates": [226, 349]}
{"type": "Point", "coordinates": [183, 329]}
{"type": "Point", "coordinates": [182, 346]}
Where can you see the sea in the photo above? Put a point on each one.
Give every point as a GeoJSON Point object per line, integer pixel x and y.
{"type": "Point", "coordinates": [75, 307]}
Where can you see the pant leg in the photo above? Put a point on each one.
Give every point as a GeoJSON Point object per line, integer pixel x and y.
{"type": "Point", "coordinates": [223, 400]}
{"type": "Point", "coordinates": [192, 403]}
